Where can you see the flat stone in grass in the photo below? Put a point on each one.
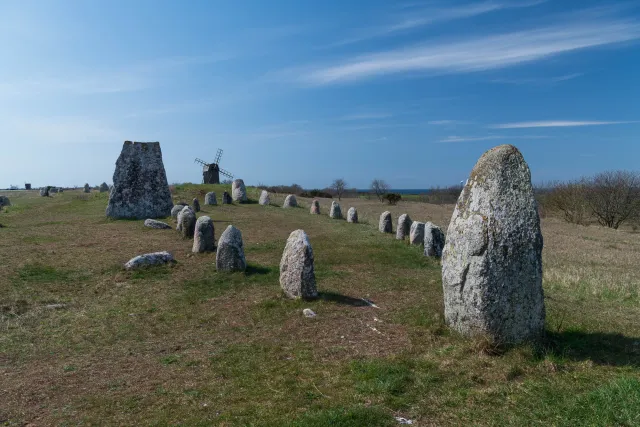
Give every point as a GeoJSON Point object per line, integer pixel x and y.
{"type": "Point", "coordinates": [154, 223]}
{"type": "Point", "coordinates": [149, 260]}
{"type": "Point", "coordinates": [290, 201]}
{"type": "Point", "coordinates": [404, 227]}
{"type": "Point", "coordinates": [196, 205]}
{"type": "Point", "coordinates": [176, 210]}
{"type": "Point", "coordinates": [204, 238]}
{"type": "Point", "coordinates": [103, 187]}
{"type": "Point", "coordinates": [315, 207]}
{"type": "Point", "coordinates": [416, 233]}
{"type": "Point", "coordinates": [264, 198]}
{"type": "Point", "coordinates": [210, 199]}
{"type": "Point", "coordinates": [492, 258]}
{"type": "Point", "coordinates": [230, 252]}
{"type": "Point", "coordinates": [226, 199]}
{"type": "Point", "coordinates": [335, 212]}
{"type": "Point", "coordinates": [239, 191]}
{"type": "Point", "coordinates": [186, 222]}
{"type": "Point", "coordinates": [297, 276]}
{"type": "Point", "coordinates": [433, 240]}
{"type": "Point", "coordinates": [352, 215]}
{"type": "Point", "coordinates": [4, 201]}
{"type": "Point", "coordinates": [384, 226]}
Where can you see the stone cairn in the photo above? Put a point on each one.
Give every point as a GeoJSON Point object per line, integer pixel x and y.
{"type": "Point", "coordinates": [297, 276]}
{"type": "Point", "coordinates": [492, 258]}
{"type": "Point", "coordinates": [335, 212]}
{"type": "Point", "coordinates": [352, 215]}
{"type": "Point", "coordinates": [290, 201]}
{"type": "Point", "coordinates": [433, 240]}
{"type": "Point", "coordinates": [416, 233]}
{"type": "Point", "coordinates": [404, 227]}
{"type": "Point", "coordinates": [204, 236]}
{"type": "Point", "coordinates": [149, 260]}
{"type": "Point", "coordinates": [87, 189]}
{"type": "Point", "coordinates": [176, 210]}
{"type": "Point", "coordinates": [239, 191]}
{"type": "Point", "coordinates": [186, 222]}
{"type": "Point", "coordinates": [230, 252]}
{"type": "Point", "coordinates": [315, 207]}
{"type": "Point", "coordinates": [210, 199]}
{"type": "Point", "coordinates": [384, 226]}
{"type": "Point", "coordinates": [140, 188]}
{"type": "Point", "coordinates": [196, 205]}
{"type": "Point", "coordinates": [153, 223]}
{"type": "Point", "coordinates": [103, 187]}
{"type": "Point", "coordinates": [265, 200]}
{"type": "Point", "coordinates": [226, 199]}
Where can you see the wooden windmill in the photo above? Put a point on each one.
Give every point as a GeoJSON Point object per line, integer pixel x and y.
{"type": "Point", "coordinates": [211, 171]}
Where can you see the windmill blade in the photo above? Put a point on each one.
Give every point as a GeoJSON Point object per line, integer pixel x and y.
{"type": "Point", "coordinates": [202, 162]}
{"type": "Point", "coordinates": [218, 157]}
{"type": "Point", "coordinates": [226, 173]}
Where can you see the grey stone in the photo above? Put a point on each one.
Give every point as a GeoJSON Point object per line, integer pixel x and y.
{"type": "Point", "coordinates": [53, 190]}
{"type": "Point", "coordinates": [404, 227]}
{"type": "Point", "coordinates": [4, 201]}
{"type": "Point", "coordinates": [56, 306]}
{"type": "Point", "coordinates": [210, 199]}
{"type": "Point", "coordinates": [335, 212]}
{"type": "Point", "coordinates": [492, 258]}
{"type": "Point", "coordinates": [238, 191]}
{"type": "Point", "coordinates": [416, 233]}
{"type": "Point", "coordinates": [204, 237]}
{"type": "Point", "coordinates": [148, 260]}
{"type": "Point", "coordinates": [433, 240]}
{"type": "Point", "coordinates": [196, 205]}
{"type": "Point", "coordinates": [140, 188]}
{"type": "Point", "coordinates": [226, 199]}
{"type": "Point", "coordinates": [307, 312]}
{"type": "Point", "coordinates": [44, 191]}
{"type": "Point", "coordinates": [315, 208]}
{"type": "Point", "coordinates": [230, 252]}
{"type": "Point", "coordinates": [176, 210]}
{"type": "Point", "coordinates": [384, 226]}
{"type": "Point", "coordinates": [186, 222]}
{"type": "Point", "coordinates": [104, 187]}
{"type": "Point", "coordinates": [153, 223]}
{"type": "Point", "coordinates": [297, 276]}
{"type": "Point", "coordinates": [290, 201]}
{"type": "Point", "coordinates": [87, 189]}
{"type": "Point", "coordinates": [264, 198]}
{"type": "Point", "coordinates": [352, 215]}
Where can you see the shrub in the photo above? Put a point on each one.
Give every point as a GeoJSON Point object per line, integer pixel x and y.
{"type": "Point", "coordinates": [393, 198]}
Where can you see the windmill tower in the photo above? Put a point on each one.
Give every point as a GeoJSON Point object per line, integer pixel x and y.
{"type": "Point", "coordinates": [211, 171]}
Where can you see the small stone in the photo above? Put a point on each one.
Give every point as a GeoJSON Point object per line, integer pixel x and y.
{"type": "Point", "coordinates": [55, 306]}
{"type": "Point", "coordinates": [238, 191]}
{"type": "Point", "coordinates": [265, 200]}
{"type": "Point", "coordinates": [175, 211]}
{"type": "Point", "coordinates": [416, 234]}
{"type": "Point", "coordinates": [308, 312]}
{"type": "Point", "coordinates": [384, 226]}
{"type": "Point", "coordinates": [204, 236]}
{"type": "Point", "coordinates": [404, 227]}
{"type": "Point", "coordinates": [352, 215]}
{"type": "Point", "coordinates": [186, 223]}
{"type": "Point", "coordinates": [196, 205]}
{"type": "Point", "coordinates": [290, 201]}
{"type": "Point", "coordinates": [147, 260]}
{"type": "Point", "coordinates": [87, 189]}
{"type": "Point", "coordinates": [210, 199]}
{"type": "Point", "coordinates": [154, 223]}
{"type": "Point", "coordinates": [230, 253]}
{"type": "Point", "coordinates": [103, 187]}
{"type": "Point", "coordinates": [335, 212]}
{"type": "Point", "coordinates": [226, 199]}
{"type": "Point", "coordinates": [4, 201]}
{"type": "Point", "coordinates": [297, 276]}
{"type": "Point", "coordinates": [433, 240]}
{"type": "Point", "coordinates": [315, 208]}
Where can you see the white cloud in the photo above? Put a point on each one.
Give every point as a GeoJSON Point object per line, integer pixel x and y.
{"type": "Point", "coordinates": [539, 80]}
{"type": "Point", "coordinates": [489, 137]}
{"type": "Point", "coordinates": [555, 123]}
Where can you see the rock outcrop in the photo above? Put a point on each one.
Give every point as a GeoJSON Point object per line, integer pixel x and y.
{"type": "Point", "coordinates": [230, 252]}
{"type": "Point", "coordinates": [297, 276]}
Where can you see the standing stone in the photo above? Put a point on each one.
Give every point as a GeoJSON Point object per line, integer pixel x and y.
{"type": "Point", "coordinates": [404, 227]}
{"type": "Point", "coordinates": [290, 201]}
{"type": "Point", "coordinates": [140, 188]}
{"type": "Point", "coordinates": [265, 200]}
{"type": "Point", "coordinates": [176, 210]}
{"type": "Point", "coordinates": [352, 215]}
{"type": "Point", "coordinates": [204, 238]}
{"type": "Point", "coordinates": [4, 201]}
{"type": "Point", "coordinates": [315, 208]}
{"type": "Point", "coordinates": [196, 205]}
{"type": "Point", "coordinates": [210, 199]}
{"type": "Point", "coordinates": [44, 191]}
{"type": "Point", "coordinates": [433, 240]}
{"type": "Point", "coordinates": [297, 277]}
{"type": "Point", "coordinates": [230, 253]}
{"type": "Point", "coordinates": [335, 212]}
{"type": "Point", "coordinates": [87, 189]}
{"type": "Point", "coordinates": [385, 223]}
{"type": "Point", "coordinates": [153, 223]}
{"type": "Point", "coordinates": [226, 199]}
{"type": "Point", "coordinates": [492, 259]}
{"type": "Point", "coordinates": [53, 190]}
{"type": "Point", "coordinates": [104, 187]}
{"type": "Point", "coordinates": [238, 191]}
{"type": "Point", "coordinates": [416, 233]}
{"type": "Point", "coordinates": [186, 223]}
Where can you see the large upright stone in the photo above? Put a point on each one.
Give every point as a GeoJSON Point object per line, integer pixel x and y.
{"type": "Point", "coordinates": [44, 191]}
{"type": "Point", "coordinates": [433, 240]}
{"type": "Point", "coordinates": [4, 201]}
{"type": "Point", "coordinates": [335, 212]}
{"type": "Point", "coordinates": [230, 253]}
{"type": "Point", "coordinates": [384, 226]}
{"type": "Point", "coordinates": [204, 236]}
{"type": "Point", "coordinates": [210, 199]}
{"type": "Point", "coordinates": [416, 233]}
{"type": "Point", "coordinates": [238, 191]}
{"type": "Point", "coordinates": [196, 205]}
{"type": "Point", "coordinates": [404, 226]}
{"type": "Point", "coordinates": [315, 207]}
{"type": "Point", "coordinates": [265, 200]}
{"type": "Point", "coordinates": [186, 222]}
{"type": "Point", "coordinates": [176, 210]}
{"type": "Point", "coordinates": [290, 201]}
{"type": "Point", "coordinates": [352, 215]}
{"type": "Point", "coordinates": [492, 259]}
{"type": "Point", "coordinates": [104, 187]}
{"type": "Point", "coordinates": [87, 189]}
{"type": "Point", "coordinates": [226, 199]}
{"type": "Point", "coordinates": [140, 188]}
{"type": "Point", "coordinates": [297, 277]}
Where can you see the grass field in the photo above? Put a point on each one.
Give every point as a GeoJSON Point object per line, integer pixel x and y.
{"type": "Point", "coordinates": [83, 342]}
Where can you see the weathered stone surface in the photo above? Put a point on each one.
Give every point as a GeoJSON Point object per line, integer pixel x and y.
{"type": "Point", "coordinates": [335, 212]}
{"type": "Point", "coordinates": [416, 233]}
{"type": "Point", "coordinates": [210, 199]}
{"type": "Point", "coordinates": [433, 240]}
{"type": "Point", "coordinates": [384, 226]}
{"type": "Point", "coordinates": [104, 187]}
{"type": "Point", "coordinates": [186, 222]}
{"type": "Point", "coordinates": [264, 198]}
{"type": "Point", "coordinates": [148, 260]}
{"type": "Point", "coordinates": [297, 276]}
{"type": "Point", "coordinates": [290, 201]}
{"type": "Point", "coordinates": [196, 205]}
{"type": "Point", "coordinates": [53, 190]}
{"type": "Point", "coordinates": [44, 192]}
{"type": "Point", "coordinates": [315, 208]}
{"type": "Point", "coordinates": [153, 223]}
{"type": "Point", "coordinates": [204, 236]}
{"type": "Point", "coordinates": [404, 227]}
{"type": "Point", "coordinates": [140, 188]}
{"type": "Point", "coordinates": [352, 215]}
{"type": "Point", "coordinates": [87, 189]}
{"type": "Point", "coordinates": [176, 210]}
{"type": "Point", "coordinates": [307, 312]}
{"type": "Point", "coordinates": [226, 199]}
{"type": "Point", "coordinates": [238, 191]}
{"type": "Point", "coordinates": [230, 252]}
{"type": "Point", "coordinates": [4, 201]}
{"type": "Point", "coordinates": [492, 258]}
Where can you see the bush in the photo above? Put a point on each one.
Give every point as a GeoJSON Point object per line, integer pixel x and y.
{"type": "Point", "coordinates": [393, 198]}
{"type": "Point", "coordinates": [570, 200]}
{"type": "Point", "coordinates": [316, 193]}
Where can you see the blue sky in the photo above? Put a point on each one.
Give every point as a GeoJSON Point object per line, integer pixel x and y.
{"type": "Point", "coordinates": [412, 92]}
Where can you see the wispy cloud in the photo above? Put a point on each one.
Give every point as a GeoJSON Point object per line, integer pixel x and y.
{"type": "Point", "coordinates": [447, 122]}
{"type": "Point", "coordinates": [556, 124]}
{"type": "Point", "coordinates": [482, 53]}
{"type": "Point", "coordinates": [366, 116]}
{"type": "Point", "coordinates": [488, 138]}
{"type": "Point", "coordinates": [539, 80]}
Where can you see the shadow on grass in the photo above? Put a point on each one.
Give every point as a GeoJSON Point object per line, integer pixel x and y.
{"type": "Point", "coordinates": [342, 299]}
{"type": "Point", "coordinates": [607, 349]}
{"type": "Point", "coordinates": [256, 269]}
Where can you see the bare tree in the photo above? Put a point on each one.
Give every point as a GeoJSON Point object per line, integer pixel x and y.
{"type": "Point", "coordinates": [339, 185]}
{"type": "Point", "coordinates": [571, 200]}
{"type": "Point", "coordinates": [379, 188]}
{"type": "Point", "coordinates": [614, 197]}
